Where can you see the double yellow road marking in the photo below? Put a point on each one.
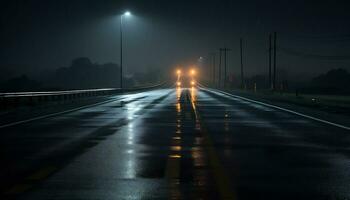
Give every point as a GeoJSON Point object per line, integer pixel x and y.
{"type": "Point", "coordinates": [173, 168]}
{"type": "Point", "coordinates": [31, 180]}
{"type": "Point", "coordinates": [224, 185]}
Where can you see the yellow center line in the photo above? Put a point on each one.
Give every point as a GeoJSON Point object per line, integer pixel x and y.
{"type": "Point", "coordinates": [31, 180]}
{"type": "Point", "coordinates": [41, 174]}
{"type": "Point", "coordinates": [172, 172]}
{"type": "Point", "coordinates": [225, 187]}
{"type": "Point", "coordinates": [18, 189]}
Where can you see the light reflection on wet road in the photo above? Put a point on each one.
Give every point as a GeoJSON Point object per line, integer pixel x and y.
{"type": "Point", "coordinates": [179, 144]}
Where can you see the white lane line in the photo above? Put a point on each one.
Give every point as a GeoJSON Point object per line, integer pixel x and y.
{"type": "Point", "coordinates": [280, 108]}
{"type": "Point", "coordinates": [58, 113]}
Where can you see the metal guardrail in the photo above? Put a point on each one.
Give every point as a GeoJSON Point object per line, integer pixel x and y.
{"type": "Point", "coordinates": [50, 93]}
{"type": "Point", "coordinates": [13, 99]}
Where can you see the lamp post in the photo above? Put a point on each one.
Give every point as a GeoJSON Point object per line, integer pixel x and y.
{"type": "Point", "coordinates": [127, 13]}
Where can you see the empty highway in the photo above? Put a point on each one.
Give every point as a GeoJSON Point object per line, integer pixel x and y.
{"type": "Point", "coordinates": [173, 143]}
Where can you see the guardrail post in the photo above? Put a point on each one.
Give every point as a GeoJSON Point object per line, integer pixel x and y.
{"type": "Point", "coordinates": [2, 103]}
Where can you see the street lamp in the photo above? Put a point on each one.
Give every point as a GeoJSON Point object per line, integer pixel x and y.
{"type": "Point", "coordinates": [127, 13]}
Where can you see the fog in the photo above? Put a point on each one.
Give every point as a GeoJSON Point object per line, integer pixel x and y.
{"type": "Point", "coordinates": [46, 35]}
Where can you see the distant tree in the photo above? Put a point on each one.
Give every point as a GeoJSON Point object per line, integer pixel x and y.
{"type": "Point", "coordinates": [335, 77]}
{"type": "Point", "coordinates": [83, 74]}
{"type": "Point", "coordinates": [335, 81]}
{"type": "Point", "coordinates": [5, 74]}
{"type": "Point", "coordinates": [81, 62]}
{"type": "Point", "coordinates": [20, 84]}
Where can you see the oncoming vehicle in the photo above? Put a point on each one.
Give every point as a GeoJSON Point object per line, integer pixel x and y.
{"type": "Point", "coordinates": [186, 80]}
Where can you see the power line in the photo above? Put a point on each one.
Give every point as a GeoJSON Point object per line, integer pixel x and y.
{"type": "Point", "coordinates": [313, 37]}
{"type": "Point", "coordinates": [242, 72]}
{"type": "Point", "coordinates": [312, 56]}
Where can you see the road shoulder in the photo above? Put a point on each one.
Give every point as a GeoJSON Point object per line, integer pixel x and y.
{"type": "Point", "coordinates": [340, 119]}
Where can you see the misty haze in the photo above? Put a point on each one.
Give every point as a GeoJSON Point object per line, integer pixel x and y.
{"type": "Point", "coordinates": [152, 99]}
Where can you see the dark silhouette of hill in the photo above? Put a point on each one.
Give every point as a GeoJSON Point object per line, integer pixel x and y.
{"type": "Point", "coordinates": [83, 74]}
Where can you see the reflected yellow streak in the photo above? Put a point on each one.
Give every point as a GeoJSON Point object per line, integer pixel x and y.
{"type": "Point", "coordinates": [175, 156]}
{"type": "Point", "coordinates": [193, 94]}
{"type": "Point", "coordinates": [178, 93]}
{"type": "Point", "coordinates": [172, 172]}
{"type": "Point", "coordinates": [175, 148]}
{"type": "Point", "coordinates": [178, 107]}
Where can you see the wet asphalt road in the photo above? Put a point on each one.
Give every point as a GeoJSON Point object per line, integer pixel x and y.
{"type": "Point", "coordinates": [175, 144]}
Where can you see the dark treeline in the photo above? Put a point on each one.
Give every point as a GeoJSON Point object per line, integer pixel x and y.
{"type": "Point", "coordinates": [335, 81]}
{"type": "Point", "coordinates": [81, 74]}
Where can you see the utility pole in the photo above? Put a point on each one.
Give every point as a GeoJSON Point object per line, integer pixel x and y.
{"type": "Point", "coordinates": [270, 59]}
{"type": "Point", "coordinates": [225, 50]}
{"type": "Point", "coordinates": [213, 67]}
{"type": "Point", "coordinates": [219, 78]}
{"type": "Point", "coordinates": [274, 60]}
{"type": "Point", "coordinates": [242, 72]}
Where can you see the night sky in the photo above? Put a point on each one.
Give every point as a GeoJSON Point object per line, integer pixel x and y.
{"type": "Point", "coordinates": [313, 36]}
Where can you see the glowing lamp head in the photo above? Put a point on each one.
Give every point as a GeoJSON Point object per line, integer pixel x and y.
{"type": "Point", "coordinates": [178, 83]}
{"type": "Point", "coordinates": [193, 83]}
{"type": "Point", "coordinates": [127, 13]}
{"type": "Point", "coordinates": [178, 72]}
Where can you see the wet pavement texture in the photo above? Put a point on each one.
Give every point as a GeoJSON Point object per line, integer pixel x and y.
{"type": "Point", "coordinates": [178, 143]}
